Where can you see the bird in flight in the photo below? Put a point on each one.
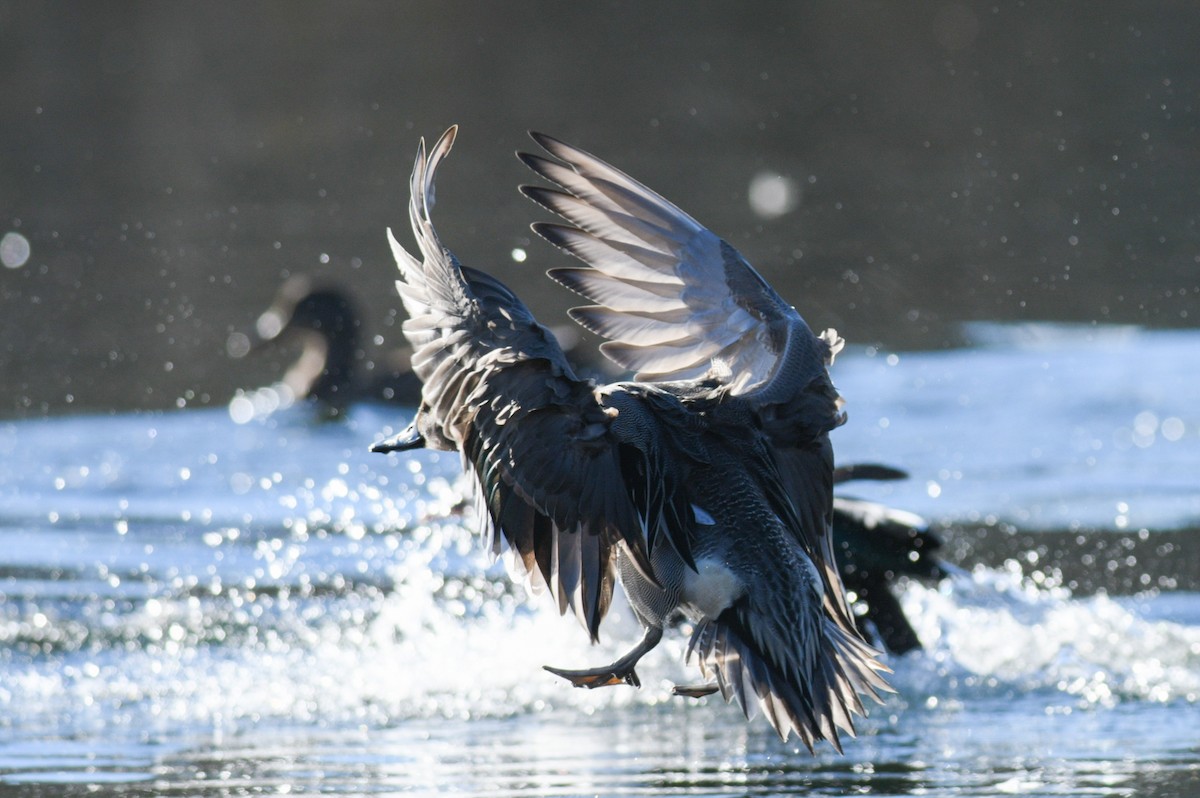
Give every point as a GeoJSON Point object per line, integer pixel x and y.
{"type": "Point", "coordinates": [703, 485]}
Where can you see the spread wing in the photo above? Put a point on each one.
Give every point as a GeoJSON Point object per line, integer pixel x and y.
{"type": "Point", "coordinates": [498, 389]}
{"type": "Point", "coordinates": [670, 296]}
{"type": "Point", "coordinates": [676, 303]}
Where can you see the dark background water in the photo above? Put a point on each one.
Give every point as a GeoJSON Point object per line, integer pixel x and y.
{"type": "Point", "coordinates": [169, 164]}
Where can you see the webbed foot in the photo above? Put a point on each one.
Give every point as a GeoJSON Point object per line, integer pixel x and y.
{"type": "Point", "coordinates": [598, 677]}
{"type": "Point", "coordinates": [620, 672]}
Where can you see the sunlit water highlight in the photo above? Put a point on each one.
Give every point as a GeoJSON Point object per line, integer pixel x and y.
{"type": "Point", "coordinates": [190, 604]}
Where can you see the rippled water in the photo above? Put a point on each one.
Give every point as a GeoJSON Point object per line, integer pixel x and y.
{"type": "Point", "coordinates": [194, 605]}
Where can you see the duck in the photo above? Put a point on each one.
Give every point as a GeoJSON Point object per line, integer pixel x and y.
{"type": "Point", "coordinates": [875, 545]}
{"type": "Point", "coordinates": [331, 371]}
{"type": "Point", "coordinates": [703, 486]}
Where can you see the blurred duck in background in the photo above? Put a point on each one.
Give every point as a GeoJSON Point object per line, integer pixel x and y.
{"type": "Point", "coordinates": [331, 370]}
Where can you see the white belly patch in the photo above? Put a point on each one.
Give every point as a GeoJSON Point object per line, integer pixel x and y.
{"type": "Point", "coordinates": [712, 588]}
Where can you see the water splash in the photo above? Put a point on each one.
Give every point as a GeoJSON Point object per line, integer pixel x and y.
{"type": "Point", "coordinates": [1001, 632]}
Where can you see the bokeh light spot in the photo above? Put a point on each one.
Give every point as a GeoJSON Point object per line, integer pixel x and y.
{"type": "Point", "coordinates": [14, 250]}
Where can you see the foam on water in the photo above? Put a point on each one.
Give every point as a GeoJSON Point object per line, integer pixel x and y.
{"type": "Point", "coordinates": [417, 654]}
{"type": "Point", "coordinates": [996, 631]}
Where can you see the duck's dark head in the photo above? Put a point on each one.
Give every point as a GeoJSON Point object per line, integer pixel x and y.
{"type": "Point", "coordinates": [325, 322]}
{"type": "Point", "coordinates": [300, 306]}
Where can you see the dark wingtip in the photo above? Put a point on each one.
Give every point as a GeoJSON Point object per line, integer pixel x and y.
{"type": "Point", "coordinates": [543, 140]}
{"type": "Point", "coordinates": [529, 191]}
{"type": "Point", "coordinates": [556, 147]}
{"type": "Point", "coordinates": [533, 161]}
{"type": "Point", "coordinates": [543, 195]}
{"type": "Point", "coordinates": [556, 234]}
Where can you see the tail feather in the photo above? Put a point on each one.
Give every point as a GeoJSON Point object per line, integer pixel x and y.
{"type": "Point", "coordinates": [815, 704]}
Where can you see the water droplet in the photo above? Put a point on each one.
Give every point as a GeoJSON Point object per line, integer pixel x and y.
{"type": "Point", "coordinates": [771, 195]}
{"type": "Point", "coordinates": [14, 250]}
{"type": "Point", "coordinates": [237, 345]}
{"type": "Point", "coordinates": [1172, 428]}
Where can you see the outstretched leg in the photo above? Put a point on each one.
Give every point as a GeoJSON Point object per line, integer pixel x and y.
{"type": "Point", "coordinates": [621, 671]}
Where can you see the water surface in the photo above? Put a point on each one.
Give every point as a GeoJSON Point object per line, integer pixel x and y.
{"type": "Point", "coordinates": [192, 605]}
